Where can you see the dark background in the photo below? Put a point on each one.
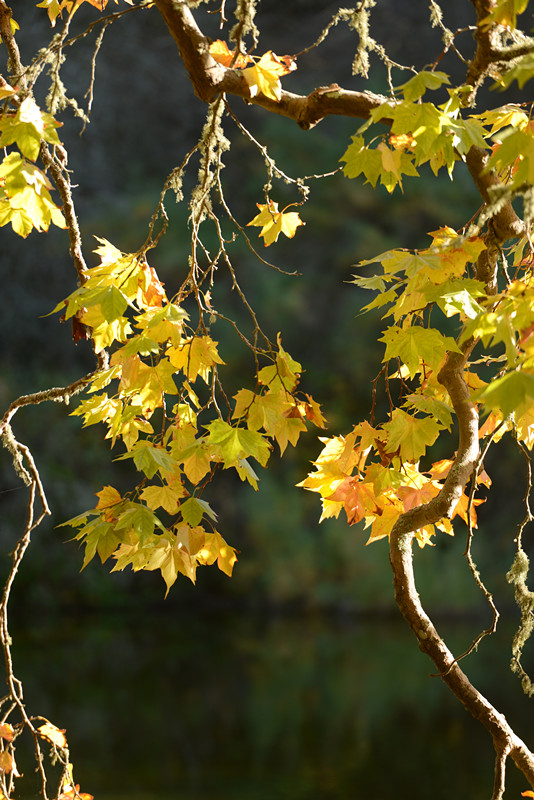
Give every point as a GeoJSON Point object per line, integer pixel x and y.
{"type": "Point", "coordinates": [294, 678]}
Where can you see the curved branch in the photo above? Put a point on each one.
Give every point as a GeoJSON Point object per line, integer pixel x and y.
{"type": "Point", "coordinates": [210, 78]}
{"type": "Point", "coordinates": [506, 224]}
{"type": "Point", "coordinates": [401, 558]}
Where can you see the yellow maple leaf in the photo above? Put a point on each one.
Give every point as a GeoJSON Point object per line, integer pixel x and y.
{"type": "Point", "coordinates": [52, 734]}
{"type": "Point", "coordinates": [383, 522]}
{"type": "Point", "coordinates": [160, 496]}
{"type": "Point", "coordinates": [195, 356]}
{"type": "Point", "coordinates": [108, 497]}
{"type": "Point", "coordinates": [264, 76]}
{"type": "Point", "coordinates": [390, 159]}
{"type": "Point", "coordinates": [274, 222]}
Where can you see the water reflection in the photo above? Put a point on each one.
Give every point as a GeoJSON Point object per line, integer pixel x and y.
{"type": "Point", "coordinates": [220, 706]}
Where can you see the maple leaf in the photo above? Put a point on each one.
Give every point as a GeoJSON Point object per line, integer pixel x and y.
{"type": "Point", "coordinates": [160, 496]}
{"type": "Point", "coordinates": [6, 762]}
{"type": "Point", "coordinates": [383, 522]}
{"type": "Point", "coordinates": [193, 510]}
{"type": "Point", "coordinates": [216, 549]}
{"type": "Point", "coordinates": [413, 496]}
{"type": "Point", "coordinates": [358, 499]}
{"type": "Point", "coordinates": [417, 86]}
{"type": "Point", "coordinates": [264, 76]}
{"type": "Point", "coordinates": [417, 345]}
{"type": "Point", "coordinates": [505, 13]}
{"type": "Point", "coordinates": [462, 506]}
{"type": "Point", "coordinates": [151, 291]}
{"type": "Point", "coordinates": [403, 141]}
{"type": "Point", "coordinates": [274, 222]}
{"type": "Point", "coordinates": [234, 444]}
{"type": "Point", "coordinates": [411, 435]}
{"type": "Point", "coordinates": [195, 356]}
{"type": "Point", "coordinates": [513, 392]}
{"type": "Point", "coordinates": [108, 498]}
{"type": "Point", "coordinates": [223, 55]}
{"type": "Point", "coordinates": [52, 734]}
{"type": "Point", "coordinates": [6, 731]}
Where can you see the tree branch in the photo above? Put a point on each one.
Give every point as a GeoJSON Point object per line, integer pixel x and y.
{"type": "Point", "coordinates": [443, 505]}
{"type": "Point", "coordinates": [210, 79]}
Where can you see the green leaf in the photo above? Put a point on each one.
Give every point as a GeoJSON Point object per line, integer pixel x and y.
{"type": "Point", "coordinates": [149, 459]}
{"type": "Point", "coordinates": [522, 71]}
{"type": "Point", "coordinates": [139, 518]}
{"type": "Point", "coordinates": [514, 392]}
{"type": "Point", "coordinates": [432, 407]}
{"type": "Point", "coordinates": [235, 444]}
{"type": "Point", "coordinates": [193, 510]}
{"type": "Point", "coordinates": [361, 160]}
{"type": "Point", "coordinates": [410, 435]}
{"type": "Point", "coordinates": [417, 345]}
{"type": "Point", "coordinates": [418, 85]}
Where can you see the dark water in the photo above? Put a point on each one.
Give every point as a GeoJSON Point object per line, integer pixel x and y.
{"type": "Point", "coordinates": [230, 706]}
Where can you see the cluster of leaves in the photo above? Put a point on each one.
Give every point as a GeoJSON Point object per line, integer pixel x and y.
{"type": "Point", "coordinates": [263, 77]}
{"type": "Point", "coordinates": [374, 473]}
{"type": "Point", "coordinates": [55, 737]}
{"type": "Point", "coordinates": [159, 365]}
{"type": "Point", "coordinates": [425, 133]}
{"type": "Point", "coordinates": [55, 8]}
{"type": "Point", "coordinates": [25, 199]}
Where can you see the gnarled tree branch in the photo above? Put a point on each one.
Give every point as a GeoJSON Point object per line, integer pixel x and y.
{"type": "Point", "coordinates": [210, 79]}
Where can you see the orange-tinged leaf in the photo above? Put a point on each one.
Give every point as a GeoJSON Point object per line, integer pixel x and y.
{"type": "Point", "coordinates": [461, 509]}
{"type": "Point", "coordinates": [402, 141]}
{"type": "Point", "coordinates": [151, 291]}
{"type": "Point", "coordinates": [413, 496]}
{"type": "Point", "coordinates": [528, 793]}
{"type": "Point", "coordinates": [358, 499]}
{"type": "Point", "coordinates": [52, 734]}
{"type": "Point", "coordinates": [107, 497]}
{"type": "Point", "coordinates": [6, 731]}
{"type": "Point", "coordinates": [6, 761]}
{"type": "Point", "coordinates": [312, 410]}
{"type": "Point", "coordinates": [220, 51]}
{"type": "Point", "coordinates": [440, 469]}
{"type": "Point", "coordinates": [75, 794]}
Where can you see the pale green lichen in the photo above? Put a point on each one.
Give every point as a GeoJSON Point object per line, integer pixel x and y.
{"type": "Point", "coordinates": [517, 575]}
{"type": "Point", "coordinates": [244, 13]}
{"type": "Point", "coordinates": [10, 443]}
{"type": "Point", "coordinates": [358, 20]}
{"type": "Point", "coordinates": [212, 144]}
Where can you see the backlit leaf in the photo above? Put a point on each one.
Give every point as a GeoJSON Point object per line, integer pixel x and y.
{"type": "Point", "coordinates": [52, 734]}
{"type": "Point", "coordinates": [274, 222]}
